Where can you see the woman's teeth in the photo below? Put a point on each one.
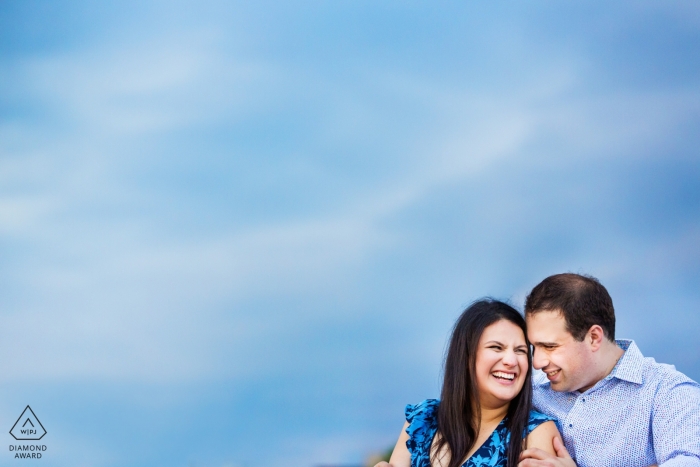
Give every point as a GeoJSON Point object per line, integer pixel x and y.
{"type": "Point", "coordinates": [500, 374]}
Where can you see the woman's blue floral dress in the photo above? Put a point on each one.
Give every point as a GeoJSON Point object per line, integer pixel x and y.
{"type": "Point", "coordinates": [422, 425]}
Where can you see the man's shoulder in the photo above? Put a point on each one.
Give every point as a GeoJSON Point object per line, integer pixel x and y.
{"type": "Point", "coordinates": [646, 371]}
{"type": "Point", "coordinates": [663, 376]}
{"type": "Point", "coordinates": [656, 384]}
{"type": "Point", "coordinates": [650, 369]}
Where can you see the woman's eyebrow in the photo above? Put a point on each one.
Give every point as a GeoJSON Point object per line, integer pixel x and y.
{"type": "Point", "coordinates": [494, 342]}
{"type": "Point", "coordinates": [504, 345]}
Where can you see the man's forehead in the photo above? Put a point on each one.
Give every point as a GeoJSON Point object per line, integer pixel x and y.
{"type": "Point", "coordinates": [546, 314]}
{"type": "Point", "coordinates": [546, 320]}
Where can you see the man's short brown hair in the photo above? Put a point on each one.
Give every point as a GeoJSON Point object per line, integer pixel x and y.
{"type": "Point", "coordinates": [581, 299]}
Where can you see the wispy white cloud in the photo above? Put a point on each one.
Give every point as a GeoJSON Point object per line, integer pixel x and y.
{"type": "Point", "coordinates": [149, 87]}
{"type": "Point", "coordinates": [135, 296]}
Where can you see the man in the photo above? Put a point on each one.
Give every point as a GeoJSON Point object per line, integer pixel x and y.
{"type": "Point", "coordinates": [613, 406]}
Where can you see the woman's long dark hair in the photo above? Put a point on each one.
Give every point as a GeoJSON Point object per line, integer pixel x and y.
{"type": "Point", "coordinates": [459, 412]}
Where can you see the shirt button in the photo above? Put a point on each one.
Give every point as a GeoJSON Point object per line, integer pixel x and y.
{"type": "Point", "coordinates": [570, 425]}
{"type": "Point", "coordinates": [584, 399]}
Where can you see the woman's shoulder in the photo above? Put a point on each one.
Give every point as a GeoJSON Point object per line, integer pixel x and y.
{"type": "Point", "coordinates": [536, 419]}
{"type": "Point", "coordinates": [422, 425]}
{"type": "Point", "coordinates": [540, 432]}
{"type": "Point", "coordinates": [423, 411]}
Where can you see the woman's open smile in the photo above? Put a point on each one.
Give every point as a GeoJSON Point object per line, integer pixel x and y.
{"type": "Point", "coordinates": [501, 363]}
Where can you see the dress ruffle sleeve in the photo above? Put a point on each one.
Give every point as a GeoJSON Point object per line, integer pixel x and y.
{"type": "Point", "coordinates": [422, 424]}
{"type": "Point", "coordinates": [536, 419]}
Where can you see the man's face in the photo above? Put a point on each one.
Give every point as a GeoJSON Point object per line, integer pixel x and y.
{"type": "Point", "coordinates": [566, 362]}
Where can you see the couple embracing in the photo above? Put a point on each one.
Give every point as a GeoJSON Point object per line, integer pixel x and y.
{"type": "Point", "coordinates": [595, 402]}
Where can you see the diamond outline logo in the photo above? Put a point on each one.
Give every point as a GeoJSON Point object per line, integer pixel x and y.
{"type": "Point", "coordinates": [30, 422]}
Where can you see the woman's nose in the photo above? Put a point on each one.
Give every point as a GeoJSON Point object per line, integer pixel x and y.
{"type": "Point", "coordinates": [509, 358]}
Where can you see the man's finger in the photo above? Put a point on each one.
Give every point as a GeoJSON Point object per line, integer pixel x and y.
{"type": "Point", "coordinates": [560, 449]}
{"type": "Point", "coordinates": [535, 453]}
{"type": "Point", "coordinates": [531, 463]}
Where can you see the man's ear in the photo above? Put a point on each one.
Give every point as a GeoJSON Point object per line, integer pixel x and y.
{"type": "Point", "coordinates": [595, 337]}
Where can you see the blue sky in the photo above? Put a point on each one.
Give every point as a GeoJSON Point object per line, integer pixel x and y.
{"type": "Point", "coordinates": [237, 234]}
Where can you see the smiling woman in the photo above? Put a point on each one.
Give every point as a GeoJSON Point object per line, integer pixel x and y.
{"type": "Point", "coordinates": [486, 396]}
{"type": "Point", "coordinates": [501, 364]}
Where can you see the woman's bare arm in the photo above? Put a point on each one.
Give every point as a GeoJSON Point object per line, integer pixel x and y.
{"type": "Point", "coordinates": [543, 436]}
{"type": "Point", "coordinates": [400, 457]}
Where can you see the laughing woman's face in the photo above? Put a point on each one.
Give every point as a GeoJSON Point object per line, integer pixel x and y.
{"type": "Point", "coordinates": [501, 364]}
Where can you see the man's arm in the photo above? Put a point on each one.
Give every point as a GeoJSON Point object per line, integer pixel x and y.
{"type": "Point", "coordinates": [539, 458]}
{"type": "Point", "coordinates": [676, 424]}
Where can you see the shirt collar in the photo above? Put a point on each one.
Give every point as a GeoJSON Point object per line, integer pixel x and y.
{"type": "Point", "coordinates": [630, 366]}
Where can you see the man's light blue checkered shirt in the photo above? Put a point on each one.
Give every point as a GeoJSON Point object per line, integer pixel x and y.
{"type": "Point", "coordinates": [642, 413]}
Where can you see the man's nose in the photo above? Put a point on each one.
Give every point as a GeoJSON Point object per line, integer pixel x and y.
{"type": "Point", "coordinates": [539, 360]}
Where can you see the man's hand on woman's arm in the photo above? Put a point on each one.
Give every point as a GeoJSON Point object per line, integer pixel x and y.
{"type": "Point", "coordinates": [535, 457]}
{"type": "Point", "coordinates": [538, 458]}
